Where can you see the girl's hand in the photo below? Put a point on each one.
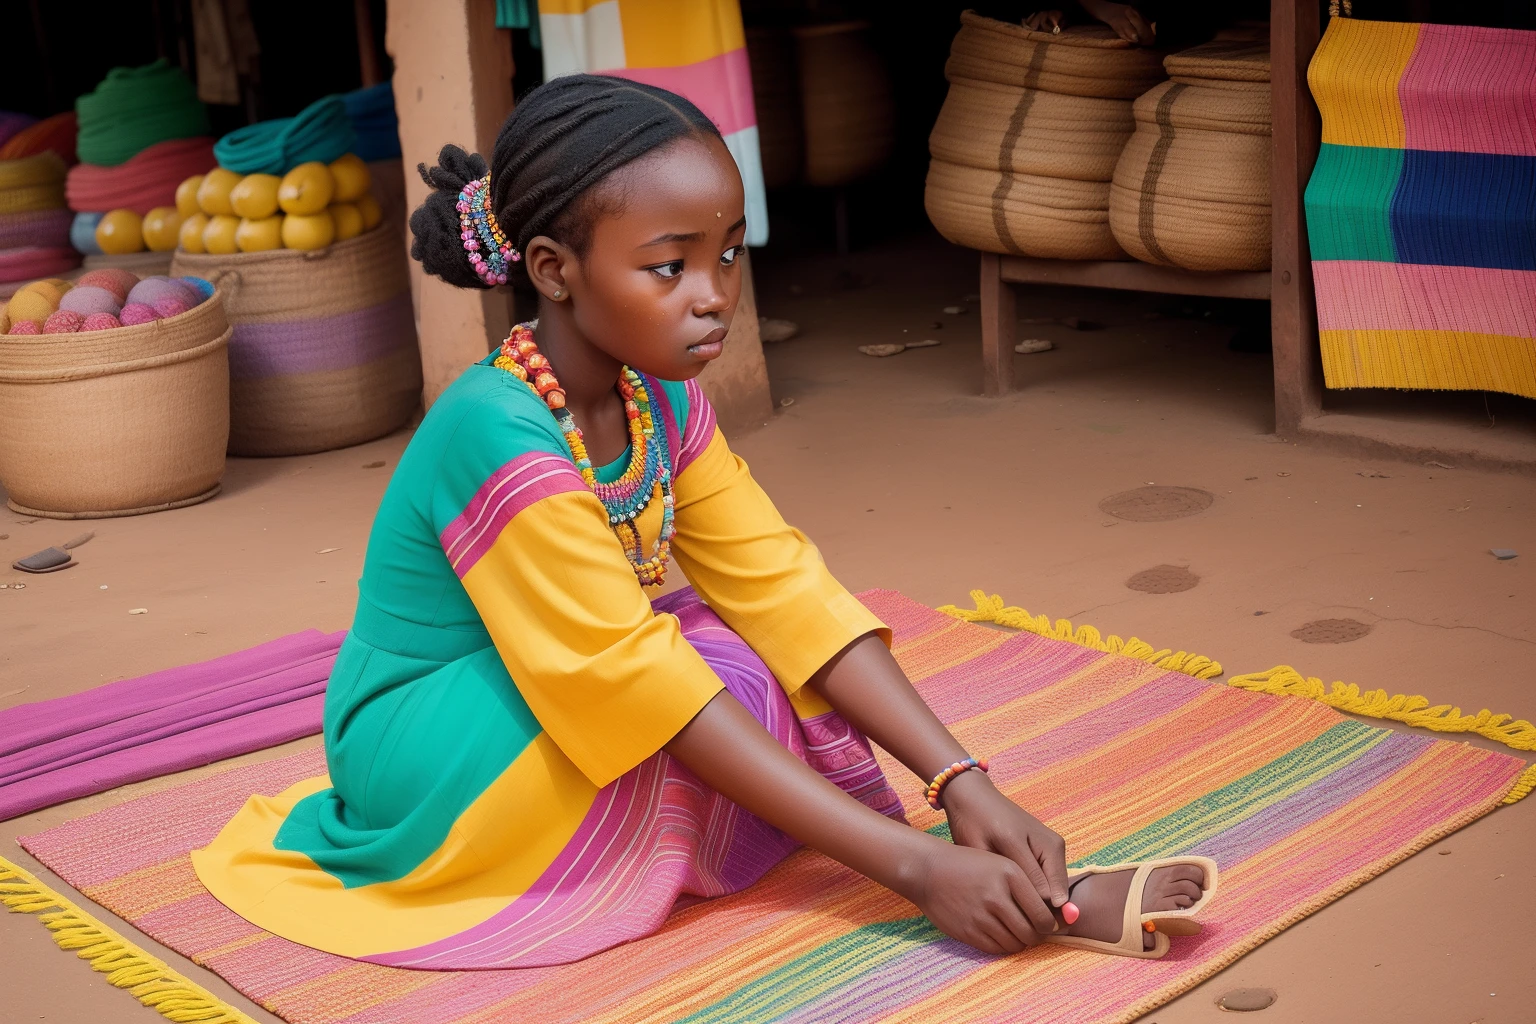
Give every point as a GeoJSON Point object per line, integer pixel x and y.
{"type": "Point", "coordinates": [1044, 21]}
{"type": "Point", "coordinates": [1129, 23]}
{"type": "Point", "coordinates": [983, 818]}
{"type": "Point", "coordinates": [980, 899]}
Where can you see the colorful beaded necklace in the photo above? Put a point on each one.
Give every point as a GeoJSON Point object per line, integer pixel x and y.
{"type": "Point", "coordinates": [649, 472]}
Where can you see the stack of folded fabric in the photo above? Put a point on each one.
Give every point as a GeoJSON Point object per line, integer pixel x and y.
{"type": "Point", "coordinates": [143, 131]}
{"type": "Point", "coordinates": [12, 122]}
{"type": "Point", "coordinates": [34, 223]}
{"type": "Point", "coordinates": [52, 134]}
{"type": "Point", "coordinates": [320, 132]}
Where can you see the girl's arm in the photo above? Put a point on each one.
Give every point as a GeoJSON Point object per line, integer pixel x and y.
{"type": "Point", "coordinates": [969, 894]}
{"type": "Point", "coordinates": [867, 687]}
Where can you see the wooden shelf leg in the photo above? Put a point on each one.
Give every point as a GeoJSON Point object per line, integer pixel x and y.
{"type": "Point", "coordinates": [1294, 34]}
{"type": "Point", "coordinates": [999, 321]}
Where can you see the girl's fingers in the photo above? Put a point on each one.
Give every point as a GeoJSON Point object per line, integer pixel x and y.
{"type": "Point", "coordinates": [1026, 894]}
{"type": "Point", "coordinates": [1053, 859]}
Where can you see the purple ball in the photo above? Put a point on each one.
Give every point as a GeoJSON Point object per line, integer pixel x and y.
{"type": "Point", "coordinates": [137, 313]}
{"type": "Point", "coordinates": [152, 289]}
{"type": "Point", "coordinates": [86, 299]}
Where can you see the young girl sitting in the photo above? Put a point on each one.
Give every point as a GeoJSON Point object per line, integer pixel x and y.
{"type": "Point", "coordinates": [530, 762]}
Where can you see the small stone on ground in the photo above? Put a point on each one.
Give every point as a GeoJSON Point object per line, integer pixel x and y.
{"type": "Point", "coordinates": [772, 330]}
{"type": "Point", "coordinates": [1030, 346]}
{"type": "Point", "coordinates": [1503, 554]}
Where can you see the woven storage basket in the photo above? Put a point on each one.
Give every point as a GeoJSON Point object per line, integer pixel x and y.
{"type": "Point", "coordinates": [776, 95]}
{"type": "Point", "coordinates": [323, 353]}
{"type": "Point", "coordinates": [1006, 127]}
{"type": "Point", "coordinates": [119, 422]}
{"type": "Point", "coordinates": [850, 115]}
{"type": "Point", "coordinates": [1029, 215]}
{"type": "Point", "coordinates": [1192, 186]}
{"type": "Point", "coordinates": [1087, 60]}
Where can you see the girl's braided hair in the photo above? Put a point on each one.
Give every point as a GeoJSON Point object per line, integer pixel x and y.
{"type": "Point", "coordinates": [562, 138]}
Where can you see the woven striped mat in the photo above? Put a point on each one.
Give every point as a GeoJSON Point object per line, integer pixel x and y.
{"type": "Point", "coordinates": [1128, 760]}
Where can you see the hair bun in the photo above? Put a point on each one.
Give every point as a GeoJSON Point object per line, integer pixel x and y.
{"type": "Point", "coordinates": [436, 244]}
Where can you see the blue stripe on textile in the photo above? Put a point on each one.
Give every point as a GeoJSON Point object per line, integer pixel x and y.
{"type": "Point", "coordinates": [1466, 210]}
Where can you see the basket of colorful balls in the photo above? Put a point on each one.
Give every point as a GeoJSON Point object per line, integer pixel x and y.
{"type": "Point", "coordinates": [116, 394]}
{"type": "Point", "coordinates": [323, 352]}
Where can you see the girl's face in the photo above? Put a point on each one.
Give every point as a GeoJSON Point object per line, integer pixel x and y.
{"type": "Point", "coordinates": [661, 278]}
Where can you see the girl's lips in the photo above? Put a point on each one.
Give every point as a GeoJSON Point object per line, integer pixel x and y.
{"type": "Point", "coordinates": [709, 346]}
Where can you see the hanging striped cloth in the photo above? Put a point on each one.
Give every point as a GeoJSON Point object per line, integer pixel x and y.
{"type": "Point", "coordinates": [1421, 211]}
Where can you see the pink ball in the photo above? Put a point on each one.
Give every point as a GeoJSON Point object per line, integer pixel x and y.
{"type": "Point", "coordinates": [137, 313]}
{"type": "Point", "coordinates": [23, 327]}
{"type": "Point", "coordinates": [170, 306]}
{"type": "Point", "coordinates": [100, 322]}
{"type": "Point", "coordinates": [86, 299]}
{"type": "Point", "coordinates": [114, 279]}
{"type": "Point", "coordinates": [63, 321]}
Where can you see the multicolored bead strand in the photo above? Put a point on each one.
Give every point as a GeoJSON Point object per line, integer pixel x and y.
{"type": "Point", "coordinates": [649, 472]}
{"type": "Point", "coordinates": [488, 249]}
{"type": "Point", "coordinates": [948, 775]}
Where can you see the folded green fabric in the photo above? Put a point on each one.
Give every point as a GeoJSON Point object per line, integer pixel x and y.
{"type": "Point", "coordinates": [321, 131]}
{"type": "Point", "coordinates": [134, 108]}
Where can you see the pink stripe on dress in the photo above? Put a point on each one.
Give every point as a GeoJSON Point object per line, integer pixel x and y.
{"type": "Point", "coordinates": [700, 428]}
{"type": "Point", "coordinates": [528, 478]}
{"type": "Point", "coordinates": [721, 87]}
{"type": "Point", "coordinates": [1471, 90]}
{"type": "Point", "coordinates": [1363, 295]}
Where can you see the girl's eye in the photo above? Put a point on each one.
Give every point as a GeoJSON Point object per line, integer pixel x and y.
{"type": "Point", "coordinates": [667, 271]}
{"type": "Point", "coordinates": [728, 258]}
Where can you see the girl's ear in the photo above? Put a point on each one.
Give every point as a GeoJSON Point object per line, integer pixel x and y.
{"type": "Point", "coordinates": [550, 265]}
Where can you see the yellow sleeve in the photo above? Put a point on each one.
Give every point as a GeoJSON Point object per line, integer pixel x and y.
{"type": "Point", "coordinates": [761, 575]}
{"type": "Point", "coordinates": [609, 680]}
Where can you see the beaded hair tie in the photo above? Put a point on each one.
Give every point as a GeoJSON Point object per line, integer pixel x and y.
{"type": "Point", "coordinates": [487, 247]}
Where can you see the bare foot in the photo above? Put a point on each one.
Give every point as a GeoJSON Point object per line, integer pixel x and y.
{"type": "Point", "coordinates": [1100, 899]}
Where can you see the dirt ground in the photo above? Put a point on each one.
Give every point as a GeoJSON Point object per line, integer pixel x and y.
{"type": "Point", "coordinates": [907, 479]}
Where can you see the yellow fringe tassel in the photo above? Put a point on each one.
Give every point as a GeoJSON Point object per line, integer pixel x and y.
{"type": "Point", "coordinates": [1506, 729]}
{"type": "Point", "coordinates": [1282, 680]}
{"type": "Point", "coordinates": [992, 609]}
{"type": "Point", "coordinates": [148, 978]}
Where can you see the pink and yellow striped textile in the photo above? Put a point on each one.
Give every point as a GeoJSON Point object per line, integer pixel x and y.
{"type": "Point", "coordinates": [695, 48]}
{"type": "Point", "coordinates": [1297, 803]}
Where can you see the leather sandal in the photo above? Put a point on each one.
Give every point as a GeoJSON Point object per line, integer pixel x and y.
{"type": "Point", "coordinates": [1160, 924]}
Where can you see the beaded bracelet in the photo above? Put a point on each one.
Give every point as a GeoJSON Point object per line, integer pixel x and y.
{"type": "Point", "coordinates": [945, 777]}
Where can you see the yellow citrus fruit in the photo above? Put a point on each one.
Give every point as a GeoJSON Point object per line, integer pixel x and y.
{"type": "Point", "coordinates": [255, 197]}
{"type": "Point", "coordinates": [162, 228]}
{"type": "Point", "coordinates": [219, 235]}
{"type": "Point", "coordinates": [306, 189]}
{"type": "Point", "coordinates": [369, 208]}
{"type": "Point", "coordinates": [258, 234]}
{"type": "Point", "coordinates": [120, 232]}
{"type": "Point", "coordinates": [213, 193]}
{"type": "Point", "coordinates": [351, 177]}
{"type": "Point", "coordinates": [349, 220]}
{"type": "Point", "coordinates": [5, 318]}
{"type": "Point", "coordinates": [186, 195]}
{"type": "Point", "coordinates": [191, 234]}
{"type": "Point", "coordinates": [309, 230]}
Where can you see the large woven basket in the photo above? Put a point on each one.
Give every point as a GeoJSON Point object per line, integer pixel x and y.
{"type": "Point", "coordinates": [1007, 127]}
{"type": "Point", "coordinates": [1022, 214]}
{"type": "Point", "coordinates": [1087, 60]}
{"type": "Point", "coordinates": [1192, 188]}
{"type": "Point", "coordinates": [119, 422]}
{"type": "Point", "coordinates": [324, 352]}
{"type": "Point", "coordinates": [776, 96]}
{"type": "Point", "coordinates": [850, 115]}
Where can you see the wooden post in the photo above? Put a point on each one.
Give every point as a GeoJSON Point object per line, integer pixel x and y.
{"type": "Point", "coordinates": [999, 321]}
{"type": "Point", "coordinates": [453, 83]}
{"type": "Point", "coordinates": [367, 53]}
{"type": "Point", "coordinates": [1294, 32]}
